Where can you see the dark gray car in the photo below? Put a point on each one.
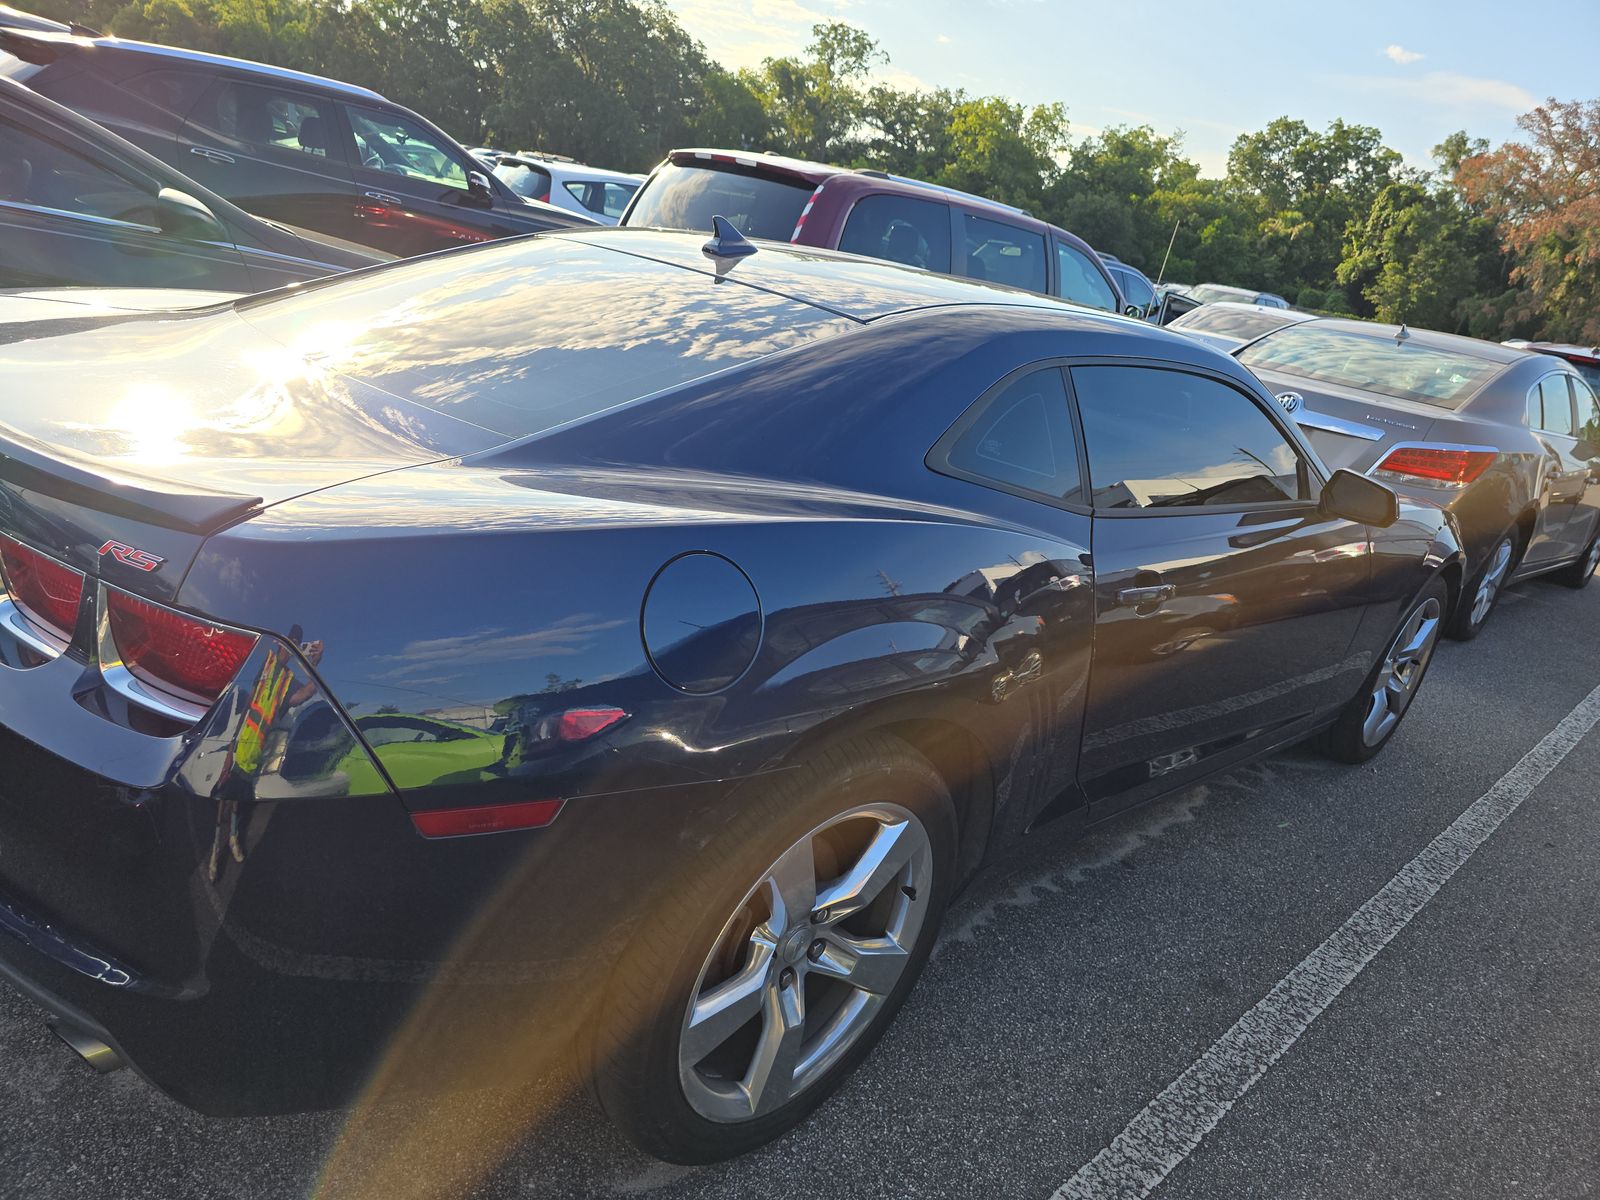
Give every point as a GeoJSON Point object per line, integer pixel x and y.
{"type": "Point", "coordinates": [1506, 439]}
{"type": "Point", "coordinates": [81, 206]}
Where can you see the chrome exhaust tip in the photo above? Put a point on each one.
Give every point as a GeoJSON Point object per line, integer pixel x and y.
{"type": "Point", "coordinates": [88, 1047]}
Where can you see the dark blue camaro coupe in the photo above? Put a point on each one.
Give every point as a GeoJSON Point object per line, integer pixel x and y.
{"type": "Point", "coordinates": [624, 643]}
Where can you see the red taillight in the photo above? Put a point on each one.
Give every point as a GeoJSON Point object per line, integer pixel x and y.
{"type": "Point", "coordinates": [491, 818]}
{"type": "Point", "coordinates": [178, 654]}
{"type": "Point", "coordinates": [1447, 466]}
{"type": "Point", "coordinates": [578, 723]}
{"type": "Point", "coordinates": [46, 591]}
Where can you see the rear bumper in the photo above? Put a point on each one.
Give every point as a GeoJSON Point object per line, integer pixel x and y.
{"type": "Point", "coordinates": [335, 949]}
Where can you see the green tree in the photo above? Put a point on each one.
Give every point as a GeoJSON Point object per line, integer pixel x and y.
{"type": "Point", "coordinates": [815, 103]}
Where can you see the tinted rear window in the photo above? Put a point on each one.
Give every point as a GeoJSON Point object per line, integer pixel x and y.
{"type": "Point", "coordinates": [519, 337]}
{"type": "Point", "coordinates": [531, 183]}
{"type": "Point", "coordinates": [687, 197]}
{"type": "Point", "coordinates": [1372, 363]}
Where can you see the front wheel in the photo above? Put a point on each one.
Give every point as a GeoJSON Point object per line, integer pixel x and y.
{"type": "Point", "coordinates": [769, 972]}
{"type": "Point", "coordinates": [1370, 719]}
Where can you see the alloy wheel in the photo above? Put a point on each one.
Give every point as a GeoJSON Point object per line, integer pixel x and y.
{"type": "Point", "coordinates": [1402, 670]}
{"type": "Point", "coordinates": [802, 966]}
{"type": "Point", "coordinates": [1494, 576]}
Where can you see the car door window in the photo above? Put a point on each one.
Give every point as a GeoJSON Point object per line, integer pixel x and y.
{"type": "Point", "coordinates": [1588, 410]}
{"type": "Point", "coordinates": [1080, 282]}
{"type": "Point", "coordinates": [529, 182]}
{"type": "Point", "coordinates": [401, 148]}
{"type": "Point", "coordinates": [1168, 439]}
{"type": "Point", "coordinates": [899, 229]}
{"type": "Point", "coordinates": [1018, 439]}
{"type": "Point", "coordinates": [1003, 253]}
{"type": "Point", "coordinates": [1555, 404]}
{"type": "Point", "coordinates": [275, 123]}
{"type": "Point", "coordinates": [39, 172]}
{"type": "Point", "coordinates": [1136, 290]}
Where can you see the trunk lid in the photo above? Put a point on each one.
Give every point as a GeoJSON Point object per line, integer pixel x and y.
{"type": "Point", "coordinates": [155, 430]}
{"type": "Point", "coordinates": [1351, 428]}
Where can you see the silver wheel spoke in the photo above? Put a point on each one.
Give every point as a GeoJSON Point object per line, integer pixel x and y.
{"type": "Point", "coordinates": [720, 1013]}
{"type": "Point", "coordinates": [770, 1080]}
{"type": "Point", "coordinates": [1378, 718]}
{"type": "Point", "coordinates": [872, 964]}
{"type": "Point", "coordinates": [1418, 642]}
{"type": "Point", "coordinates": [884, 858]}
{"type": "Point", "coordinates": [793, 883]}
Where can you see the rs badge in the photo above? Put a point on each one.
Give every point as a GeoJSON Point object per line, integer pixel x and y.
{"type": "Point", "coordinates": [141, 560]}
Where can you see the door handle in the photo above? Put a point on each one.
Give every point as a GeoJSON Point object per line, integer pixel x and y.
{"type": "Point", "coordinates": [1140, 596]}
{"type": "Point", "coordinates": [216, 156]}
{"type": "Point", "coordinates": [383, 198]}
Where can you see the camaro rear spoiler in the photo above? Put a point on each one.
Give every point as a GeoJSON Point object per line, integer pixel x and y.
{"type": "Point", "coordinates": [27, 463]}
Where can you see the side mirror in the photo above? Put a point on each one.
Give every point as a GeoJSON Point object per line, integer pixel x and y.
{"type": "Point", "coordinates": [1357, 498]}
{"type": "Point", "coordinates": [478, 187]}
{"type": "Point", "coordinates": [179, 214]}
{"type": "Point", "coordinates": [1133, 310]}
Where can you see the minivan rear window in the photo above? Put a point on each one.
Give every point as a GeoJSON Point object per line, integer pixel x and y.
{"type": "Point", "coordinates": [682, 196]}
{"type": "Point", "coordinates": [1372, 363]}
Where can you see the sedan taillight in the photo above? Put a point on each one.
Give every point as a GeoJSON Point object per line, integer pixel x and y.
{"type": "Point", "coordinates": [47, 592]}
{"type": "Point", "coordinates": [182, 655]}
{"type": "Point", "coordinates": [1457, 467]}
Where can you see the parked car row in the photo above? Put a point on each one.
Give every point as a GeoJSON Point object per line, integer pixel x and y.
{"type": "Point", "coordinates": [553, 179]}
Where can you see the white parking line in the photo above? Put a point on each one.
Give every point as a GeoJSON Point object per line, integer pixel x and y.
{"type": "Point", "coordinates": [1173, 1124]}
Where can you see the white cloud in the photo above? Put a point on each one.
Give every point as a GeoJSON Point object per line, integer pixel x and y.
{"type": "Point", "coordinates": [1399, 54]}
{"type": "Point", "coordinates": [1446, 89]}
{"type": "Point", "coordinates": [944, 39]}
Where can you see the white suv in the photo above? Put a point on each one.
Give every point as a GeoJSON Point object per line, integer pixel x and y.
{"type": "Point", "coordinates": [592, 191]}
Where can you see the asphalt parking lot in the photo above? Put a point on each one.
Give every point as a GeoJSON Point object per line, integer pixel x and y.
{"type": "Point", "coordinates": [1448, 1044]}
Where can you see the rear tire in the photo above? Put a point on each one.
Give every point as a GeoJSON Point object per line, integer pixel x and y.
{"type": "Point", "coordinates": [1371, 718]}
{"type": "Point", "coordinates": [730, 1017]}
{"type": "Point", "coordinates": [1482, 592]}
{"type": "Point", "coordinates": [1578, 575]}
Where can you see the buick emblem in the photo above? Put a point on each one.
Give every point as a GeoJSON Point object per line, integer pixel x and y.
{"type": "Point", "coordinates": [1291, 401]}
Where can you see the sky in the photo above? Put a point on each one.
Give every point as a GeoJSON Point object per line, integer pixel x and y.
{"type": "Point", "coordinates": [1416, 69]}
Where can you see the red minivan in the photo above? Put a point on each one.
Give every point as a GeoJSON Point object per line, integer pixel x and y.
{"type": "Point", "coordinates": [872, 213]}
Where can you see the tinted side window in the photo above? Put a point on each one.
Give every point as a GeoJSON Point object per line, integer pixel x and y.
{"type": "Point", "coordinates": [1080, 282]}
{"type": "Point", "coordinates": [1136, 289]}
{"type": "Point", "coordinates": [1588, 411]}
{"type": "Point", "coordinates": [1557, 405]}
{"type": "Point", "coordinates": [172, 93]}
{"type": "Point", "coordinates": [1021, 439]}
{"type": "Point", "coordinates": [397, 145]}
{"type": "Point", "coordinates": [281, 123]}
{"type": "Point", "coordinates": [1164, 439]}
{"type": "Point", "coordinates": [900, 229]}
{"type": "Point", "coordinates": [1003, 253]}
{"type": "Point", "coordinates": [39, 172]}
{"type": "Point", "coordinates": [531, 183]}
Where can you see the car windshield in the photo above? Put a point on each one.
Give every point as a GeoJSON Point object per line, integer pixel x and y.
{"type": "Point", "coordinates": [1241, 323]}
{"type": "Point", "coordinates": [687, 197]}
{"type": "Point", "coordinates": [1372, 362]}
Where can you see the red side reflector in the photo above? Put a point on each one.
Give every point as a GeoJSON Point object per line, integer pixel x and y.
{"type": "Point", "coordinates": [46, 591]}
{"type": "Point", "coordinates": [173, 652]}
{"type": "Point", "coordinates": [491, 818]}
{"type": "Point", "coordinates": [1447, 466]}
{"type": "Point", "coordinates": [578, 723]}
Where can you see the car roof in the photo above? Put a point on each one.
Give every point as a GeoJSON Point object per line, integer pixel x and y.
{"type": "Point", "coordinates": [204, 58]}
{"type": "Point", "coordinates": [568, 169]}
{"type": "Point", "coordinates": [816, 173]}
